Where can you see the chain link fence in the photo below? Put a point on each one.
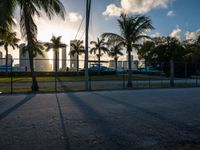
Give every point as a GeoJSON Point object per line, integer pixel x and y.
{"type": "Point", "coordinates": [15, 75]}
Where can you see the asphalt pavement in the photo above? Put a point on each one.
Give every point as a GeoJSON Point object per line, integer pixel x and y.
{"type": "Point", "coordinates": [109, 120]}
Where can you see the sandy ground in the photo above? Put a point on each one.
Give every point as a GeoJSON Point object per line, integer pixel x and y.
{"type": "Point", "coordinates": [110, 120]}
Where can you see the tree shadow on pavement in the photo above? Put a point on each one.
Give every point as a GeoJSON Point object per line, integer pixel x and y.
{"type": "Point", "coordinates": [66, 137]}
{"type": "Point", "coordinates": [16, 106]}
{"type": "Point", "coordinates": [164, 119]}
{"type": "Point", "coordinates": [113, 137]}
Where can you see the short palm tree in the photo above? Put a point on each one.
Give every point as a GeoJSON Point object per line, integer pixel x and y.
{"type": "Point", "coordinates": [77, 49]}
{"type": "Point", "coordinates": [99, 46]}
{"type": "Point", "coordinates": [9, 39]}
{"type": "Point", "coordinates": [132, 31]}
{"type": "Point", "coordinates": [55, 45]}
{"type": "Point", "coordinates": [29, 9]}
{"type": "Point", "coordinates": [115, 52]}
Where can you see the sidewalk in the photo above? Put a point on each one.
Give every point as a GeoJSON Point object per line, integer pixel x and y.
{"type": "Point", "coordinates": [110, 120]}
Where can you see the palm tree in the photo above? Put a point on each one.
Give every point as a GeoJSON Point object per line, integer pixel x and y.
{"type": "Point", "coordinates": [132, 31]}
{"type": "Point", "coordinates": [115, 52]}
{"type": "Point", "coordinates": [192, 48]}
{"type": "Point", "coordinates": [77, 49]}
{"type": "Point", "coordinates": [99, 46]}
{"type": "Point", "coordinates": [55, 45]}
{"type": "Point", "coordinates": [9, 39]}
{"type": "Point", "coordinates": [29, 9]}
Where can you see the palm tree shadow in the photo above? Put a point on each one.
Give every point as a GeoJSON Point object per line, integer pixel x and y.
{"type": "Point", "coordinates": [115, 137]}
{"type": "Point", "coordinates": [166, 120]}
{"type": "Point", "coordinates": [64, 87]}
{"type": "Point", "coordinates": [66, 138]}
{"type": "Point", "coordinates": [16, 106]}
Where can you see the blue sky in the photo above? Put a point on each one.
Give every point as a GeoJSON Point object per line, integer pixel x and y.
{"type": "Point", "coordinates": [183, 17]}
{"type": "Point", "coordinates": [178, 18]}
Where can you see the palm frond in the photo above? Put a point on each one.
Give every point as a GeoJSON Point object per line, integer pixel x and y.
{"type": "Point", "coordinates": [51, 7]}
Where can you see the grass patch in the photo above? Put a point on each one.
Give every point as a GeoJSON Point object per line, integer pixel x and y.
{"type": "Point", "coordinates": [81, 78]}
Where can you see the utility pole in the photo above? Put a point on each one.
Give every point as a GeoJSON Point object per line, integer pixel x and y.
{"type": "Point", "coordinates": [88, 6]}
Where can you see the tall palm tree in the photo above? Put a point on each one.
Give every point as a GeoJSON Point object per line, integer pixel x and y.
{"type": "Point", "coordinates": [55, 45]}
{"type": "Point", "coordinates": [77, 49]}
{"type": "Point", "coordinates": [29, 9]}
{"type": "Point", "coordinates": [9, 39]}
{"type": "Point", "coordinates": [99, 46]}
{"type": "Point", "coordinates": [115, 52]}
{"type": "Point", "coordinates": [132, 31]}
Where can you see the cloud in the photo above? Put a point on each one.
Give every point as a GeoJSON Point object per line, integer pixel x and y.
{"type": "Point", "coordinates": [136, 6]}
{"type": "Point", "coordinates": [176, 33]}
{"type": "Point", "coordinates": [112, 10]}
{"type": "Point", "coordinates": [170, 13]}
{"type": "Point", "coordinates": [74, 17]}
{"type": "Point", "coordinates": [157, 34]}
{"type": "Point", "coordinates": [192, 35]}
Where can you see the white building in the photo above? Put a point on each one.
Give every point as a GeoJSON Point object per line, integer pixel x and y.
{"type": "Point", "coordinates": [40, 63]}
{"type": "Point", "coordinates": [1, 58]}
{"type": "Point", "coordinates": [64, 58]}
{"type": "Point", "coordinates": [123, 65]}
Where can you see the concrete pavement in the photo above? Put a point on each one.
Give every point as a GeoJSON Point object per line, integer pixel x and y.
{"type": "Point", "coordinates": [109, 120]}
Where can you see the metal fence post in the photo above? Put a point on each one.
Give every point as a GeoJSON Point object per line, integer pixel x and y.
{"type": "Point", "coordinates": [90, 81]}
{"type": "Point", "coordinates": [123, 79]}
{"type": "Point", "coordinates": [196, 75]}
{"type": "Point", "coordinates": [11, 77]}
{"type": "Point", "coordinates": [171, 72]}
{"type": "Point", "coordinates": [186, 73]}
{"type": "Point", "coordinates": [56, 59]}
{"type": "Point", "coordinates": [161, 81]}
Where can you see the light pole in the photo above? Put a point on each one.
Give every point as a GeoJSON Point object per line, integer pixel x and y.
{"type": "Point", "coordinates": [88, 6]}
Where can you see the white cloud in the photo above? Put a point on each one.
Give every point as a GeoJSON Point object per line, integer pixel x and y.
{"type": "Point", "coordinates": [170, 13]}
{"type": "Point", "coordinates": [74, 17]}
{"type": "Point", "coordinates": [176, 33]}
{"type": "Point", "coordinates": [136, 6]}
{"type": "Point", "coordinates": [112, 10]}
{"type": "Point", "coordinates": [192, 35]}
{"type": "Point", "coordinates": [157, 34]}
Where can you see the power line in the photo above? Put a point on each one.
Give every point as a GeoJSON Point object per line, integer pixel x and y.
{"type": "Point", "coordinates": [80, 27]}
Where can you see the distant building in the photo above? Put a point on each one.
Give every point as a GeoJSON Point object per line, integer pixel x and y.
{"type": "Point", "coordinates": [54, 59]}
{"type": "Point", "coordinates": [64, 58]}
{"type": "Point", "coordinates": [10, 59]}
{"type": "Point", "coordinates": [124, 64]}
{"type": "Point", "coordinates": [23, 58]}
{"type": "Point", "coordinates": [73, 59]}
{"type": "Point", "coordinates": [134, 64]}
{"type": "Point", "coordinates": [1, 58]}
{"type": "Point", "coordinates": [40, 63]}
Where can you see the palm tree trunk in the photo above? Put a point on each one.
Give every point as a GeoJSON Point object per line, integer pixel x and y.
{"type": "Point", "coordinates": [99, 62]}
{"type": "Point", "coordinates": [129, 49]}
{"type": "Point", "coordinates": [77, 59]}
{"type": "Point", "coordinates": [56, 68]}
{"type": "Point", "coordinates": [30, 43]}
